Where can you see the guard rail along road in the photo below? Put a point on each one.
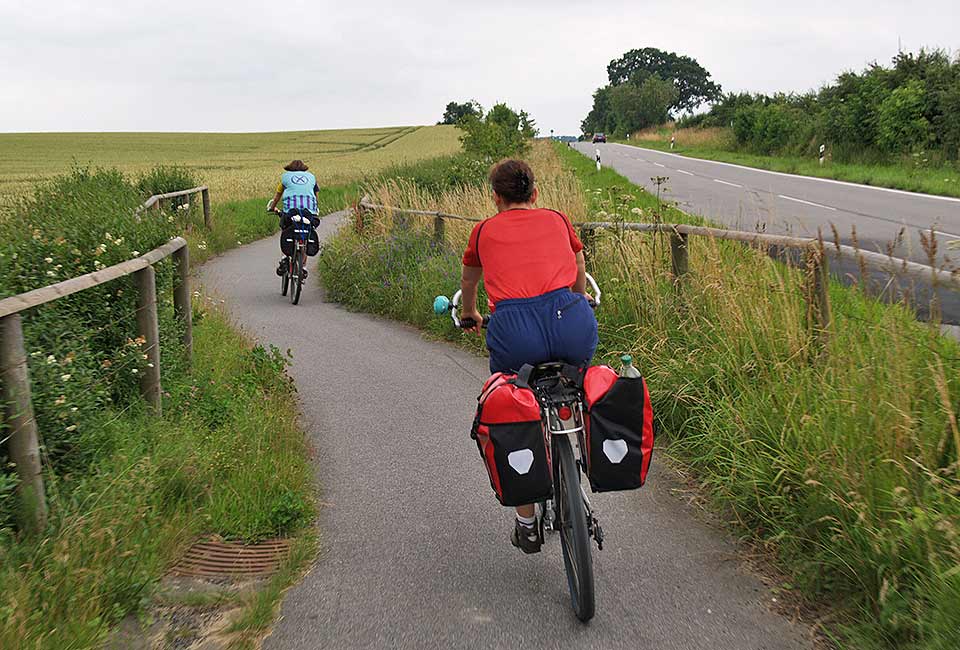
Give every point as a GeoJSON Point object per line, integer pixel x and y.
{"type": "Point", "coordinates": [15, 394]}
{"type": "Point", "coordinates": [815, 253]}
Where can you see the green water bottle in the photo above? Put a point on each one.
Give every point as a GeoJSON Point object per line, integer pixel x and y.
{"type": "Point", "coordinates": [627, 370]}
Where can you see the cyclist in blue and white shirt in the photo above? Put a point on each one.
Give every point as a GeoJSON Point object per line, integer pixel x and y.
{"type": "Point", "coordinates": [299, 193]}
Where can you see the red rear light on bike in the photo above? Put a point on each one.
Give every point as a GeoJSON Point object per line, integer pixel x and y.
{"type": "Point", "coordinates": [564, 413]}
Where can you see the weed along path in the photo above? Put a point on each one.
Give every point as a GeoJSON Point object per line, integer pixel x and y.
{"type": "Point", "coordinates": [414, 548]}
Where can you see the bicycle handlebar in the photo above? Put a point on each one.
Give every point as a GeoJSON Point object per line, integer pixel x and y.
{"type": "Point", "coordinates": [443, 305]}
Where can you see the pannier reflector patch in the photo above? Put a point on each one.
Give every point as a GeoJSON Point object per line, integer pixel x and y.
{"type": "Point", "coordinates": [615, 450]}
{"type": "Point", "coordinates": [522, 459]}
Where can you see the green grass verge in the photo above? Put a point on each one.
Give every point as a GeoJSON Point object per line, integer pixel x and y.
{"type": "Point", "coordinates": [227, 457]}
{"type": "Point", "coordinates": [942, 181]}
{"type": "Point", "coordinates": [842, 462]}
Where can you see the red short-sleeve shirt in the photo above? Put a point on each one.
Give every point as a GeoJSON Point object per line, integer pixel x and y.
{"type": "Point", "coordinates": [524, 253]}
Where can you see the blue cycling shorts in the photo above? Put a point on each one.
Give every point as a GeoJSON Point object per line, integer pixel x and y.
{"type": "Point", "coordinates": [556, 326]}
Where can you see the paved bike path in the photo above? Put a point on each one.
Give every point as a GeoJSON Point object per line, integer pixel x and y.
{"type": "Point", "coordinates": [414, 548]}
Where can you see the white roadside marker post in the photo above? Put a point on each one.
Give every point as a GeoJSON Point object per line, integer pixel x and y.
{"type": "Point", "coordinates": [598, 160]}
{"type": "Point", "coordinates": [823, 151]}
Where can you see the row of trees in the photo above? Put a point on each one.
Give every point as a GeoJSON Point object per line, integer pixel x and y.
{"type": "Point", "coordinates": [647, 86]}
{"type": "Point", "coordinates": [911, 106]}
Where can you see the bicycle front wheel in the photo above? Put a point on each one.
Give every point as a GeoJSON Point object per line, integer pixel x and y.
{"type": "Point", "coordinates": [297, 279]}
{"type": "Point", "coordinates": [574, 536]}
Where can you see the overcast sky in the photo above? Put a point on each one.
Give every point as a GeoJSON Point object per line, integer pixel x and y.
{"type": "Point", "coordinates": [256, 66]}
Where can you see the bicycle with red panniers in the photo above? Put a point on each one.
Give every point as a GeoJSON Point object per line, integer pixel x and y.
{"type": "Point", "coordinates": [539, 428]}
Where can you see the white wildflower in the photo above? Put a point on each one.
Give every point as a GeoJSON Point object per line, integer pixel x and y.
{"type": "Point", "coordinates": [135, 253]}
{"type": "Point", "coordinates": [50, 274]}
{"type": "Point", "coordinates": [51, 359]}
{"type": "Point", "coordinates": [48, 260]}
{"type": "Point", "coordinates": [637, 211]}
{"type": "Point", "coordinates": [65, 377]}
{"type": "Point", "coordinates": [72, 427]}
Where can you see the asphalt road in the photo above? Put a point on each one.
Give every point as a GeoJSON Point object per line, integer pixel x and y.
{"type": "Point", "coordinates": [415, 550]}
{"type": "Point", "coordinates": [744, 198]}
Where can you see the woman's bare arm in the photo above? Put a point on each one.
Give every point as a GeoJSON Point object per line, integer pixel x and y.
{"type": "Point", "coordinates": [469, 283]}
{"type": "Point", "coordinates": [580, 286]}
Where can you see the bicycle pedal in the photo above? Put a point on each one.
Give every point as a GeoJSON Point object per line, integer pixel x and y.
{"type": "Point", "coordinates": [598, 534]}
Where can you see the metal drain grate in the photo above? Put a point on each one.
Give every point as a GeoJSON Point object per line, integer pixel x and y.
{"type": "Point", "coordinates": [215, 558]}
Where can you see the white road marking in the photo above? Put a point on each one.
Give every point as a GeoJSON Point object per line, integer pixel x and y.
{"type": "Point", "coordinates": [683, 171]}
{"type": "Point", "coordinates": [816, 205]}
{"type": "Point", "coordinates": [659, 165]}
{"type": "Point", "coordinates": [717, 180]}
{"type": "Point", "coordinates": [799, 176]}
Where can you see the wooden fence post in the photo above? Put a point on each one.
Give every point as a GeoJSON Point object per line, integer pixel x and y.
{"type": "Point", "coordinates": [23, 446]}
{"type": "Point", "coordinates": [679, 258]}
{"type": "Point", "coordinates": [149, 328]}
{"type": "Point", "coordinates": [182, 308]}
{"type": "Point", "coordinates": [817, 294]}
{"type": "Point", "coordinates": [439, 233]}
{"type": "Point", "coordinates": [207, 219]}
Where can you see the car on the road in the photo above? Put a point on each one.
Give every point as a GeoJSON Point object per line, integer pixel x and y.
{"type": "Point", "coordinates": [599, 137]}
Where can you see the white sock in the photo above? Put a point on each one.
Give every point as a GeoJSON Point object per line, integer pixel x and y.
{"type": "Point", "coordinates": [527, 521]}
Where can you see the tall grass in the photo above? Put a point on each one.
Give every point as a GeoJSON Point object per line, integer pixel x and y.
{"type": "Point", "coordinates": [227, 458]}
{"type": "Point", "coordinates": [842, 462]}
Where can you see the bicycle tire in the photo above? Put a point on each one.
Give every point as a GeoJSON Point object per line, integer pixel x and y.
{"type": "Point", "coordinates": [285, 278]}
{"type": "Point", "coordinates": [297, 279]}
{"type": "Point", "coordinates": [574, 536]}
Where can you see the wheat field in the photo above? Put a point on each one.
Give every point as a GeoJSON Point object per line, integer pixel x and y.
{"type": "Point", "coordinates": [235, 165]}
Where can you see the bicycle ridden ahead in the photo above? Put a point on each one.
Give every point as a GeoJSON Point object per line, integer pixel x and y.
{"type": "Point", "coordinates": [542, 396]}
{"type": "Point", "coordinates": [299, 194]}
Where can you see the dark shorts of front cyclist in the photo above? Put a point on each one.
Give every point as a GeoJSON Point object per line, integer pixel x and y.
{"type": "Point", "coordinates": [303, 212]}
{"type": "Point", "coordinates": [557, 326]}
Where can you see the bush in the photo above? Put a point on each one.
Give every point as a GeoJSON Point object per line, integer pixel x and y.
{"type": "Point", "coordinates": [901, 124]}
{"type": "Point", "coordinates": [83, 350]}
{"type": "Point", "coordinates": [163, 179]}
{"type": "Point", "coordinates": [775, 128]}
{"type": "Point", "coordinates": [441, 174]}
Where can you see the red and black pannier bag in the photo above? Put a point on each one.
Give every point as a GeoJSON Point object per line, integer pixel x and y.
{"type": "Point", "coordinates": [511, 438]}
{"type": "Point", "coordinates": [619, 430]}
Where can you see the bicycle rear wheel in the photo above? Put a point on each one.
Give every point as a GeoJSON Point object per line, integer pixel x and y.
{"type": "Point", "coordinates": [574, 536]}
{"type": "Point", "coordinates": [297, 279]}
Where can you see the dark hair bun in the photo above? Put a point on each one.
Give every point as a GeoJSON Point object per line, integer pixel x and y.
{"type": "Point", "coordinates": [513, 180]}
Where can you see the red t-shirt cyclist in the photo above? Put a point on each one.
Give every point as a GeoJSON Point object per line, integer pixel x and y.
{"type": "Point", "coordinates": [532, 266]}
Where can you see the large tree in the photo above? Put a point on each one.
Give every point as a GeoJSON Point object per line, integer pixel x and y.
{"type": "Point", "coordinates": [638, 106]}
{"type": "Point", "coordinates": [690, 79]}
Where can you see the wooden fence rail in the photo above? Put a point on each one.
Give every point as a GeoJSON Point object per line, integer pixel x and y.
{"type": "Point", "coordinates": [816, 254]}
{"type": "Point", "coordinates": [156, 201]}
{"type": "Point", "coordinates": [22, 436]}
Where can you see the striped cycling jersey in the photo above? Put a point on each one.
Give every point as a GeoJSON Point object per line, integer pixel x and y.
{"type": "Point", "coordinates": [300, 202]}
